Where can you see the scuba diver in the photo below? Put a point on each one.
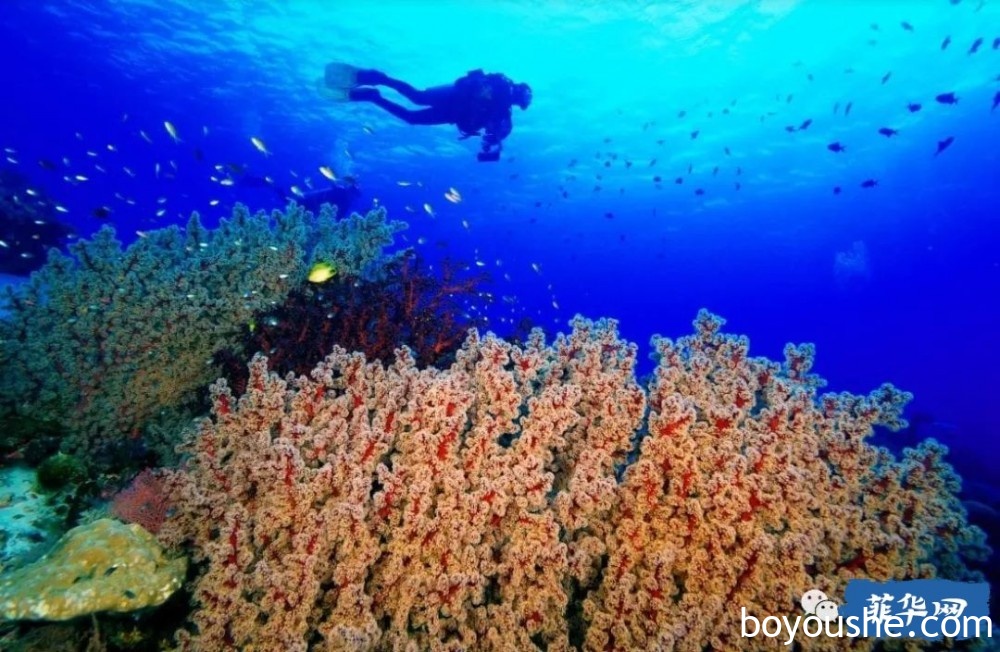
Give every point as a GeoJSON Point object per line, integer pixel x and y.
{"type": "Point", "coordinates": [478, 102]}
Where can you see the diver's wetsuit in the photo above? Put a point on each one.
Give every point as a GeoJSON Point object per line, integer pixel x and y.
{"type": "Point", "coordinates": [476, 102]}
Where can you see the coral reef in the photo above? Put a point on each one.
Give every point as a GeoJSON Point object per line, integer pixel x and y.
{"type": "Point", "coordinates": [535, 497]}
{"type": "Point", "coordinates": [101, 566]}
{"type": "Point", "coordinates": [406, 305]}
{"type": "Point", "coordinates": [104, 339]}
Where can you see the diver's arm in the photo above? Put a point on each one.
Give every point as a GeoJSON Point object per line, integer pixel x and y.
{"type": "Point", "coordinates": [492, 140]}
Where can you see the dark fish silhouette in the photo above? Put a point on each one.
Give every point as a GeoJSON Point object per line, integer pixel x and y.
{"type": "Point", "coordinates": [699, 191]}
{"type": "Point", "coordinates": [905, 25]}
{"type": "Point", "coordinates": [836, 147]}
{"type": "Point", "coordinates": [342, 194]}
{"type": "Point", "coordinates": [947, 98]}
{"type": "Point", "coordinates": [46, 164]}
{"type": "Point", "coordinates": [913, 107]}
{"type": "Point", "coordinates": [888, 132]}
{"type": "Point", "coordinates": [847, 108]}
{"type": "Point", "coordinates": [790, 129]}
{"type": "Point", "coordinates": [694, 134]}
{"type": "Point", "coordinates": [836, 190]}
{"type": "Point", "coordinates": [657, 179]}
{"type": "Point", "coordinates": [946, 42]}
{"type": "Point", "coordinates": [975, 45]}
{"type": "Point", "coordinates": [805, 124]}
{"type": "Point", "coordinates": [728, 153]}
{"type": "Point", "coordinates": [869, 183]}
{"type": "Point", "coordinates": [996, 43]}
{"type": "Point", "coordinates": [944, 144]}
{"type": "Point", "coordinates": [886, 77]}
{"type": "Point", "coordinates": [679, 180]}
{"type": "Point", "coordinates": [101, 212]}
{"type": "Point", "coordinates": [996, 101]}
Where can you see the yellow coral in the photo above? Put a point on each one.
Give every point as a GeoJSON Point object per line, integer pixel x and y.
{"type": "Point", "coordinates": [102, 566]}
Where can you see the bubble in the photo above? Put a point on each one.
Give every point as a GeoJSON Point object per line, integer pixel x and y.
{"type": "Point", "coordinates": [811, 598]}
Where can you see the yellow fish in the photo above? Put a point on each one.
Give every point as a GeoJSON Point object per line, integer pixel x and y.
{"type": "Point", "coordinates": [259, 144]}
{"type": "Point", "coordinates": [321, 272]}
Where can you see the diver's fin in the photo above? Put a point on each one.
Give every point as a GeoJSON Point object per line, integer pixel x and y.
{"type": "Point", "coordinates": [338, 81]}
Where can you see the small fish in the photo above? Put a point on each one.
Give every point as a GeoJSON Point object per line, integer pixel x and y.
{"type": "Point", "coordinates": [946, 42]}
{"type": "Point", "coordinates": [429, 209]}
{"type": "Point", "coordinates": [805, 124]}
{"type": "Point", "coordinates": [453, 196]}
{"type": "Point", "coordinates": [975, 45]}
{"type": "Point", "coordinates": [259, 144]}
{"type": "Point", "coordinates": [694, 134]}
{"type": "Point", "coordinates": [321, 272]}
{"type": "Point", "coordinates": [996, 43]}
{"type": "Point", "coordinates": [836, 190]}
{"type": "Point", "coordinates": [728, 153]}
{"type": "Point", "coordinates": [101, 212]}
{"type": "Point", "coordinates": [790, 129]}
{"type": "Point", "coordinates": [836, 147]}
{"type": "Point", "coordinates": [213, 202]}
{"type": "Point", "coordinates": [913, 107]}
{"type": "Point", "coordinates": [906, 26]}
{"type": "Point", "coordinates": [944, 144]}
{"type": "Point", "coordinates": [145, 137]}
{"type": "Point", "coordinates": [172, 130]}
{"type": "Point", "coordinates": [368, 129]}
{"type": "Point", "coordinates": [996, 102]}
{"type": "Point", "coordinates": [327, 172]}
{"type": "Point", "coordinates": [127, 170]}
{"type": "Point", "coordinates": [297, 191]}
{"type": "Point", "coordinates": [657, 179]}
{"type": "Point", "coordinates": [886, 77]}
{"type": "Point", "coordinates": [46, 164]}
{"type": "Point", "coordinates": [869, 183]}
{"type": "Point", "coordinates": [161, 212]}
{"type": "Point", "coordinates": [404, 184]}
{"type": "Point", "coordinates": [465, 224]}
{"type": "Point", "coordinates": [80, 177]}
{"type": "Point", "coordinates": [226, 182]}
{"type": "Point", "coordinates": [61, 208]}
{"type": "Point", "coordinates": [947, 98]}
{"type": "Point", "coordinates": [536, 267]}
{"type": "Point", "coordinates": [699, 191]}
{"type": "Point", "coordinates": [888, 132]}
{"type": "Point", "coordinates": [679, 180]}
{"type": "Point", "coordinates": [847, 108]}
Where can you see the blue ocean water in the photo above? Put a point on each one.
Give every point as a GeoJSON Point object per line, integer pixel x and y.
{"type": "Point", "coordinates": [676, 156]}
